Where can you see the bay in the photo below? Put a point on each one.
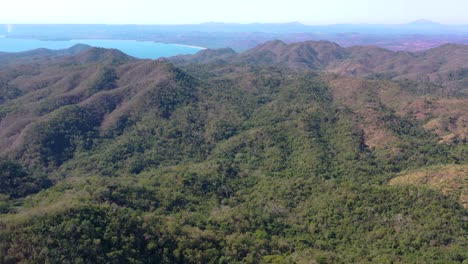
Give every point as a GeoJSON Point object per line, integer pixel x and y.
{"type": "Point", "coordinates": [138, 49]}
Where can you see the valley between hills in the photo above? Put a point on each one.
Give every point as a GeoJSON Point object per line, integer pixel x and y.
{"type": "Point", "coordinates": [306, 152]}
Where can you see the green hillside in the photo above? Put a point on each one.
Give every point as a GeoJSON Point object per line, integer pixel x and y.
{"type": "Point", "coordinates": [274, 155]}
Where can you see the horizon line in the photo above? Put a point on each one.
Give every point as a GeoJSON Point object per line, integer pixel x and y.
{"type": "Point", "coordinates": [420, 21]}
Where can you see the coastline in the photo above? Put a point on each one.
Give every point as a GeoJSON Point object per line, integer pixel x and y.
{"type": "Point", "coordinates": [189, 46]}
{"type": "Point", "coordinates": [146, 49]}
{"type": "Point", "coordinates": [79, 41]}
{"type": "Point", "coordinates": [148, 41]}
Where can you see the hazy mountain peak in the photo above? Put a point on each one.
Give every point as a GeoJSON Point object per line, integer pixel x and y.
{"type": "Point", "coordinates": [101, 55]}
{"type": "Point", "coordinates": [78, 48]}
{"type": "Point", "coordinates": [424, 22]}
{"type": "Point", "coordinates": [271, 44]}
{"type": "Point", "coordinates": [295, 23]}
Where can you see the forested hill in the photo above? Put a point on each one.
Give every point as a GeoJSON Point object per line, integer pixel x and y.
{"type": "Point", "coordinates": [299, 153]}
{"type": "Point", "coordinates": [445, 65]}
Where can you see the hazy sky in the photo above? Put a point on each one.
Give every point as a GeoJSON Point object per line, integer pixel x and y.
{"type": "Point", "coordinates": [242, 11]}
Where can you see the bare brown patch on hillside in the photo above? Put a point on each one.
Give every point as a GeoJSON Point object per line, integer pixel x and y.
{"type": "Point", "coordinates": [362, 97]}
{"type": "Point", "coordinates": [450, 179]}
{"type": "Point", "coordinates": [446, 117]}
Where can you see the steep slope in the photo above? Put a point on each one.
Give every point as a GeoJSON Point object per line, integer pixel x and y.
{"type": "Point", "coordinates": [34, 90]}
{"type": "Point", "coordinates": [238, 158]}
{"type": "Point", "coordinates": [444, 66]}
{"type": "Point", "coordinates": [374, 99]}
{"type": "Point", "coordinates": [89, 92]}
{"type": "Point", "coordinates": [39, 54]}
{"type": "Point", "coordinates": [308, 55]}
{"type": "Point", "coordinates": [218, 56]}
{"type": "Point", "coordinates": [451, 179]}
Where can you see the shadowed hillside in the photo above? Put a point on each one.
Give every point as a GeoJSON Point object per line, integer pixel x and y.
{"type": "Point", "coordinates": [299, 153]}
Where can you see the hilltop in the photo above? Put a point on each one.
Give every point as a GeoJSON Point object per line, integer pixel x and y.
{"type": "Point", "coordinates": [284, 153]}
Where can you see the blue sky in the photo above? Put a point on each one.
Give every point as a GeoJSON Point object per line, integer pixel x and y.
{"type": "Point", "coordinates": [241, 11]}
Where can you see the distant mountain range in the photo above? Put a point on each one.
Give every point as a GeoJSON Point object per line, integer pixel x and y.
{"type": "Point", "coordinates": [421, 26]}
{"type": "Point", "coordinates": [417, 35]}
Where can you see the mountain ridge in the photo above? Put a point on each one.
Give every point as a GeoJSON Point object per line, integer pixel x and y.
{"type": "Point", "coordinates": [242, 37]}
{"type": "Point", "coordinates": [357, 61]}
{"type": "Point", "coordinates": [266, 156]}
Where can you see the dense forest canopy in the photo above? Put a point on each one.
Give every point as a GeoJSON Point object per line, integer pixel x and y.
{"type": "Point", "coordinates": [299, 153]}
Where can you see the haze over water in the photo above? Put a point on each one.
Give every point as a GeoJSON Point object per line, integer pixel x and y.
{"type": "Point", "coordinates": [138, 49]}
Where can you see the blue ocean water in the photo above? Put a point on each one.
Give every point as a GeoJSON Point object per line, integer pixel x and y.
{"type": "Point", "coordinates": [138, 49]}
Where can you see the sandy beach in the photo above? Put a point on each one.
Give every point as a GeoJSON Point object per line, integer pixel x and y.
{"type": "Point", "coordinates": [182, 45]}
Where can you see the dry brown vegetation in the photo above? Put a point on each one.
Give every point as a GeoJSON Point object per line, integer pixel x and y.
{"type": "Point", "coordinates": [282, 154]}
{"type": "Point", "coordinates": [450, 179]}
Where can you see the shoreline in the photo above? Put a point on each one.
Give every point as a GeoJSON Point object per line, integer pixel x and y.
{"type": "Point", "coordinates": [148, 41]}
{"type": "Point", "coordinates": [78, 41]}
{"type": "Point", "coordinates": [189, 46]}
{"type": "Point", "coordinates": [154, 50]}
